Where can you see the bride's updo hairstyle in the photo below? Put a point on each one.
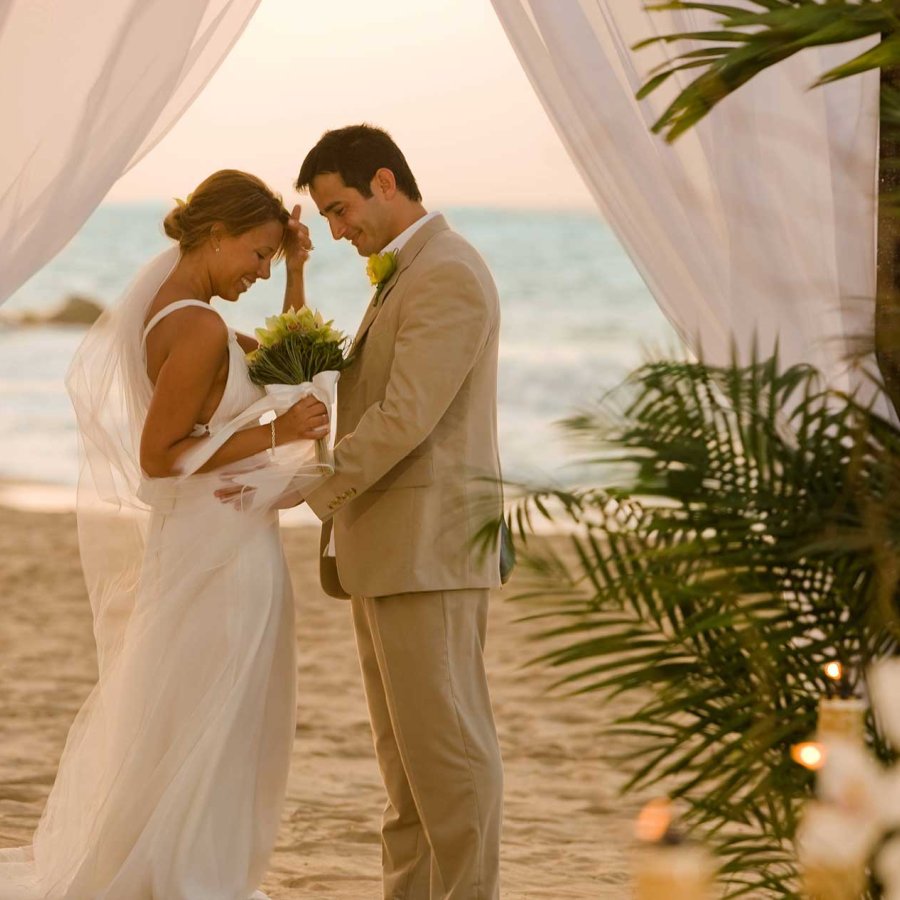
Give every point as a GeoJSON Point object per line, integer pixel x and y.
{"type": "Point", "coordinates": [236, 200]}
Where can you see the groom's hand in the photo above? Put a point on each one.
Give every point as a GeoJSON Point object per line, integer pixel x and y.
{"type": "Point", "coordinates": [297, 243]}
{"type": "Point", "coordinates": [240, 496]}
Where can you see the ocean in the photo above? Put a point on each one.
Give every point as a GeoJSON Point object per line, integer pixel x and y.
{"type": "Point", "coordinates": [576, 319]}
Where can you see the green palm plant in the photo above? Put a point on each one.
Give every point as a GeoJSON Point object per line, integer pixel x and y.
{"type": "Point", "coordinates": [752, 35]}
{"type": "Point", "coordinates": [754, 538]}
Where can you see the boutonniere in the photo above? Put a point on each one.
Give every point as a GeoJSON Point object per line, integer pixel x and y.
{"type": "Point", "coordinates": [380, 267]}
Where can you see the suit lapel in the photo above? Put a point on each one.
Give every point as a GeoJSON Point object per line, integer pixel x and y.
{"type": "Point", "coordinates": [367, 320]}
{"type": "Point", "coordinates": [407, 254]}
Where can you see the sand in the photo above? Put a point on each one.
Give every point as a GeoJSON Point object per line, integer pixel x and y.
{"type": "Point", "coordinates": [567, 833]}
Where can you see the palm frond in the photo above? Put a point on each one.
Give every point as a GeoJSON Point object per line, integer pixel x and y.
{"type": "Point", "coordinates": [750, 38]}
{"type": "Point", "coordinates": [753, 539]}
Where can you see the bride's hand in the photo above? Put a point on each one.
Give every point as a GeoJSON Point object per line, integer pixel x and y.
{"type": "Point", "coordinates": [306, 420]}
{"type": "Point", "coordinates": [297, 243]}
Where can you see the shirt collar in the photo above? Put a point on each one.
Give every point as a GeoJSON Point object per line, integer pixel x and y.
{"type": "Point", "coordinates": [398, 242]}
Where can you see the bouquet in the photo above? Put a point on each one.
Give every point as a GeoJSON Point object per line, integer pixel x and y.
{"type": "Point", "coordinates": [299, 349]}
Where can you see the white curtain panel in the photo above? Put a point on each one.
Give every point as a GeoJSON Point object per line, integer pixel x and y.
{"type": "Point", "coordinates": [760, 221]}
{"type": "Point", "coordinates": [87, 87]}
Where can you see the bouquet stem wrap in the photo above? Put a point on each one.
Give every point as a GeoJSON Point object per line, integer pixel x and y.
{"type": "Point", "coordinates": [322, 387]}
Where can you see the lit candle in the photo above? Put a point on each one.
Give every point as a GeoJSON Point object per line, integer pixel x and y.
{"type": "Point", "coordinates": [667, 867]}
{"type": "Point", "coordinates": [832, 856]}
{"type": "Point", "coordinates": [842, 716]}
{"type": "Point", "coordinates": [827, 881]}
{"type": "Point", "coordinates": [809, 754]}
{"type": "Point", "coordinates": [832, 853]}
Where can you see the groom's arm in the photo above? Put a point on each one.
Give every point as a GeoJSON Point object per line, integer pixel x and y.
{"type": "Point", "coordinates": [444, 325]}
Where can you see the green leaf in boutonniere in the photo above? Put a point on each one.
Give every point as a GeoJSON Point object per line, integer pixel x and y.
{"type": "Point", "coordinates": [380, 267]}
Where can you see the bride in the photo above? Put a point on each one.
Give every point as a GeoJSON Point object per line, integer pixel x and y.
{"type": "Point", "coordinates": [172, 779]}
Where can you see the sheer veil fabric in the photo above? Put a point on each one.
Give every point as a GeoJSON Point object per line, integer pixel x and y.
{"type": "Point", "coordinates": [173, 774]}
{"type": "Point", "coordinates": [760, 222]}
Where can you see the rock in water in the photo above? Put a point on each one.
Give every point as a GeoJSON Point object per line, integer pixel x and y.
{"type": "Point", "coordinates": [74, 310]}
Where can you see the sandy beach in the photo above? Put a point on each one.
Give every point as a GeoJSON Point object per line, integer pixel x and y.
{"type": "Point", "coordinates": [567, 834]}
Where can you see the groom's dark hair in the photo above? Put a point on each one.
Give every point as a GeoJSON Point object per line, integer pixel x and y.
{"type": "Point", "coordinates": [356, 153]}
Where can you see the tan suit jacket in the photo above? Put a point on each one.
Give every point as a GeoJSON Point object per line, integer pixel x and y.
{"type": "Point", "coordinates": [417, 470]}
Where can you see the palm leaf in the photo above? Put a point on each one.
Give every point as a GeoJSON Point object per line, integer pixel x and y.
{"type": "Point", "coordinates": [754, 539]}
{"type": "Point", "coordinates": [760, 38]}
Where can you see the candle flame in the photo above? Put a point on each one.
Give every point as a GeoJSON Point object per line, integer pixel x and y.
{"type": "Point", "coordinates": [809, 754]}
{"type": "Point", "coordinates": [834, 670]}
{"type": "Point", "coordinates": [654, 820]}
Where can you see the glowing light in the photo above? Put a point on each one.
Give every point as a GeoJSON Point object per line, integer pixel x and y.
{"type": "Point", "coordinates": [654, 820]}
{"type": "Point", "coordinates": [809, 754]}
{"type": "Point", "coordinates": [834, 670]}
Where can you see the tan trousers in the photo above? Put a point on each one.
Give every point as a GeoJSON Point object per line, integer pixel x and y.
{"type": "Point", "coordinates": [423, 668]}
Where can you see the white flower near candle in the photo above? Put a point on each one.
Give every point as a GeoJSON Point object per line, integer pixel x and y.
{"type": "Point", "coordinates": [884, 686]}
{"type": "Point", "coordinates": [852, 780]}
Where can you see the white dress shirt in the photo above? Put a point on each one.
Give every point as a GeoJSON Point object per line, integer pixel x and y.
{"type": "Point", "coordinates": [397, 243]}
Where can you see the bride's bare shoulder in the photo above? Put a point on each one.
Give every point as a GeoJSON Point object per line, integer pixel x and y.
{"type": "Point", "coordinates": [191, 338]}
{"type": "Point", "coordinates": [173, 315]}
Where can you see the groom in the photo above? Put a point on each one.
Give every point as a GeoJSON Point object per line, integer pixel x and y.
{"type": "Point", "coordinates": [416, 475]}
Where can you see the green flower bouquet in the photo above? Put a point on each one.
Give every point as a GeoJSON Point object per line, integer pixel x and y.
{"type": "Point", "coordinates": [300, 353]}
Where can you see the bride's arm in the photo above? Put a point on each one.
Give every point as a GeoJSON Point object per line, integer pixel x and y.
{"type": "Point", "coordinates": [247, 342]}
{"type": "Point", "coordinates": [184, 381]}
{"type": "Point", "coordinates": [294, 296]}
{"type": "Point", "coordinates": [297, 247]}
{"type": "Point", "coordinates": [294, 291]}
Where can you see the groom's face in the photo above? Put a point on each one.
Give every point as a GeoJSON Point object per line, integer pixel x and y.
{"type": "Point", "coordinates": [364, 221]}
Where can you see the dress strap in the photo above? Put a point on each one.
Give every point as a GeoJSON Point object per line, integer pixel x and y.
{"type": "Point", "coordinates": [178, 304]}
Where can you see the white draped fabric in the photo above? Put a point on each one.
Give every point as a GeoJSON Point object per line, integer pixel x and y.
{"type": "Point", "coordinates": [760, 220]}
{"type": "Point", "coordinates": [87, 87]}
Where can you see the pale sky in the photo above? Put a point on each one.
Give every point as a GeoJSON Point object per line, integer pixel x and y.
{"type": "Point", "coordinates": [440, 75]}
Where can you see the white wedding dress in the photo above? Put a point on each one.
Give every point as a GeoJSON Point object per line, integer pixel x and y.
{"type": "Point", "coordinates": [171, 783]}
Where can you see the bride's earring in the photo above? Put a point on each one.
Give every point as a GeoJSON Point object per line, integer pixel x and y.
{"type": "Point", "coordinates": [217, 249]}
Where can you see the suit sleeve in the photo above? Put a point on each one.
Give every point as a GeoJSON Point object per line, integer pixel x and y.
{"type": "Point", "coordinates": [444, 325]}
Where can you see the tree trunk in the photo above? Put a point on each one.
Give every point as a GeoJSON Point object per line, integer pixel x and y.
{"type": "Point", "coordinates": [887, 302]}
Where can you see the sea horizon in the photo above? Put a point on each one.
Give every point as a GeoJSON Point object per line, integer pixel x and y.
{"type": "Point", "coordinates": [576, 318]}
